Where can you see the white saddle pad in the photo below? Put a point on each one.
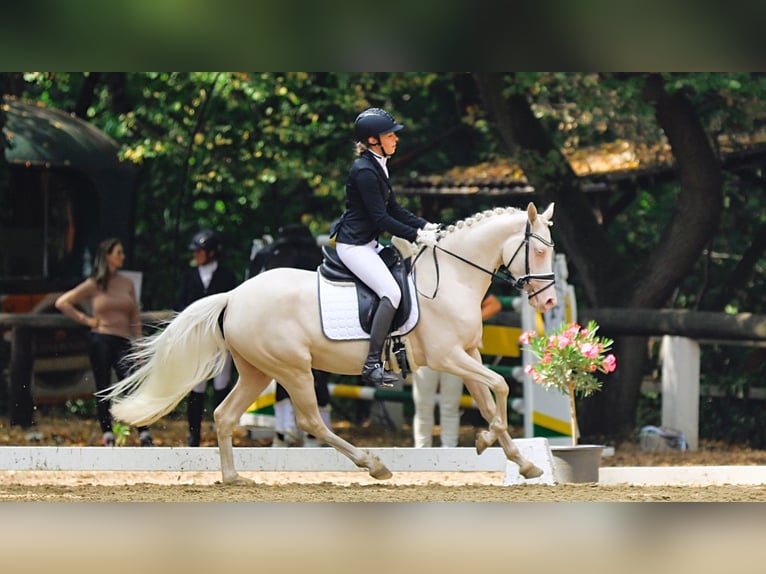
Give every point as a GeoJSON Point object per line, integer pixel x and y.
{"type": "Point", "coordinates": [339, 311]}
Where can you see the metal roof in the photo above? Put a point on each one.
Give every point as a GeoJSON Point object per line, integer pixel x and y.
{"type": "Point", "coordinates": [47, 137]}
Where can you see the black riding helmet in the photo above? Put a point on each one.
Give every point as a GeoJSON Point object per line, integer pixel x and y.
{"type": "Point", "coordinates": [206, 239]}
{"type": "Point", "coordinates": [373, 122]}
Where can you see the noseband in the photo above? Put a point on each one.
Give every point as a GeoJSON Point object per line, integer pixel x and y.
{"type": "Point", "coordinates": [522, 282]}
{"type": "Point", "coordinates": [503, 273]}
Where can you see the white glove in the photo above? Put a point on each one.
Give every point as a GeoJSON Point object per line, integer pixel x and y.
{"type": "Point", "coordinates": [427, 237]}
{"type": "Point", "coordinates": [432, 226]}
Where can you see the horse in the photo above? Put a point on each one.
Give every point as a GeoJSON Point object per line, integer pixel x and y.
{"type": "Point", "coordinates": [271, 325]}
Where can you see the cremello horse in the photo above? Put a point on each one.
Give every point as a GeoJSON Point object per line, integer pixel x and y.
{"type": "Point", "coordinates": [271, 326]}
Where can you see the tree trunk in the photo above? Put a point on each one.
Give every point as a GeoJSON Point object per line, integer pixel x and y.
{"type": "Point", "coordinates": [700, 200]}
{"type": "Point", "coordinates": [607, 279]}
{"type": "Point", "coordinates": [87, 94]}
{"type": "Point", "coordinates": [611, 412]}
{"type": "Point", "coordinates": [545, 167]}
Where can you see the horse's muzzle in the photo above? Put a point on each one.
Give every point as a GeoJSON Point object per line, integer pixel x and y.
{"type": "Point", "coordinates": [543, 298]}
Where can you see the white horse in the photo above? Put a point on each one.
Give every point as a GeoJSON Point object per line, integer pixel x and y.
{"type": "Point", "coordinates": [271, 326]}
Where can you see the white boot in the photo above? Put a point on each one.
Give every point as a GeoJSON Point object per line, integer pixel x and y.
{"type": "Point", "coordinates": [284, 424]}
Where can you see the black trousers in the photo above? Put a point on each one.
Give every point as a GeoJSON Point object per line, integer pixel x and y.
{"type": "Point", "coordinates": [320, 386]}
{"type": "Point", "coordinates": [107, 353]}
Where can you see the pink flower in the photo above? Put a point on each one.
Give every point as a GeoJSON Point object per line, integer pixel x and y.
{"type": "Point", "coordinates": [529, 370]}
{"type": "Point", "coordinates": [609, 364]}
{"type": "Point", "coordinates": [525, 337]}
{"type": "Point", "coordinates": [572, 331]}
{"type": "Point", "coordinates": [590, 350]}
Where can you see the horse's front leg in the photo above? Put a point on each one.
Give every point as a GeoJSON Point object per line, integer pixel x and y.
{"type": "Point", "coordinates": [486, 404]}
{"type": "Point", "coordinates": [481, 382]}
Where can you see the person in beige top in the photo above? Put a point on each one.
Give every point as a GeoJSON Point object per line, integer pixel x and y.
{"type": "Point", "coordinates": [114, 322]}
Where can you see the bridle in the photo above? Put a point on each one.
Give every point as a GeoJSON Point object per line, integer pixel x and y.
{"type": "Point", "coordinates": [502, 273]}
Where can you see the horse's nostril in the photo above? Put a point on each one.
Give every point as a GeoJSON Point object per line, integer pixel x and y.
{"type": "Point", "coordinates": [550, 303]}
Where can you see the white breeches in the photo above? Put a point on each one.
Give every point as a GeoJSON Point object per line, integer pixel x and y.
{"type": "Point", "coordinates": [365, 263]}
{"type": "Point", "coordinates": [425, 383]}
{"type": "Point", "coordinates": [221, 380]}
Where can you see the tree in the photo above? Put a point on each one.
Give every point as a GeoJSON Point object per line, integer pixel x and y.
{"type": "Point", "coordinates": [247, 152]}
{"type": "Point", "coordinates": [4, 170]}
{"type": "Point", "coordinates": [606, 277]}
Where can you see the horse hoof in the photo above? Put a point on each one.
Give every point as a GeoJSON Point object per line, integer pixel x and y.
{"type": "Point", "coordinates": [530, 471]}
{"type": "Point", "coordinates": [482, 441]}
{"type": "Point", "coordinates": [237, 480]}
{"type": "Point", "coordinates": [380, 471]}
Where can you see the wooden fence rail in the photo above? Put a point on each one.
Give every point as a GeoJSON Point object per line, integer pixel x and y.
{"type": "Point", "coordinates": [25, 331]}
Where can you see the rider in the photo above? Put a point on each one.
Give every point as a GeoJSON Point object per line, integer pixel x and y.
{"type": "Point", "coordinates": [207, 277]}
{"type": "Point", "coordinates": [371, 209]}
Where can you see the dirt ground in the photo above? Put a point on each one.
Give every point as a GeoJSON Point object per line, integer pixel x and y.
{"type": "Point", "coordinates": [49, 486]}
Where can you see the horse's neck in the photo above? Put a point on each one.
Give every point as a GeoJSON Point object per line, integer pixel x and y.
{"type": "Point", "coordinates": [480, 243]}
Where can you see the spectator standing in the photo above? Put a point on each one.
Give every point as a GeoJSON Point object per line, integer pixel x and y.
{"type": "Point", "coordinates": [426, 382]}
{"type": "Point", "coordinates": [206, 277]}
{"type": "Point", "coordinates": [114, 322]}
{"type": "Point", "coordinates": [294, 247]}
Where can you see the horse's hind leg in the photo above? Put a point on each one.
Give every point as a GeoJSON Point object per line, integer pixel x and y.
{"type": "Point", "coordinates": [303, 396]}
{"type": "Point", "coordinates": [250, 384]}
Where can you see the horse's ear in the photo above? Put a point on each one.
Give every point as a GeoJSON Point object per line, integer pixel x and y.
{"type": "Point", "coordinates": [548, 214]}
{"type": "Point", "coordinates": [531, 212]}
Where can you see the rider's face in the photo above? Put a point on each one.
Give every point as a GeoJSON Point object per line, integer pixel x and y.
{"type": "Point", "coordinates": [388, 142]}
{"type": "Point", "coordinates": [201, 257]}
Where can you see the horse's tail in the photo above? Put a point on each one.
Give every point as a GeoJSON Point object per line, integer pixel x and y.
{"type": "Point", "coordinates": [190, 349]}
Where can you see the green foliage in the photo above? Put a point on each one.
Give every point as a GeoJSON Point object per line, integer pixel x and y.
{"type": "Point", "coordinates": [569, 358]}
{"type": "Point", "coordinates": [245, 153]}
{"type": "Point", "coordinates": [248, 152]}
{"type": "Point", "coordinates": [121, 433]}
{"type": "Point", "coordinates": [83, 408]}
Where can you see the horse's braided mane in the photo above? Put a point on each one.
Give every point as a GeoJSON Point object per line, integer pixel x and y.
{"type": "Point", "coordinates": [468, 221]}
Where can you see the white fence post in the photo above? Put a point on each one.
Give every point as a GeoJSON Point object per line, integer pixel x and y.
{"type": "Point", "coordinates": [681, 387]}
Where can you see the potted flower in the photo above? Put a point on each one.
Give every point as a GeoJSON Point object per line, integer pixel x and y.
{"type": "Point", "coordinates": [568, 360]}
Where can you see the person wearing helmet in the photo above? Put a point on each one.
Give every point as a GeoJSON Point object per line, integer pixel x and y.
{"type": "Point", "coordinates": [371, 209]}
{"type": "Point", "coordinates": [205, 278]}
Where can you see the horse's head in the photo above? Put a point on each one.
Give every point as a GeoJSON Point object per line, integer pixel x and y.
{"type": "Point", "coordinates": [529, 260]}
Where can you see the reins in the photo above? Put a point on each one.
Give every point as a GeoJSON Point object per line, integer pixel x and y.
{"type": "Point", "coordinates": [506, 276]}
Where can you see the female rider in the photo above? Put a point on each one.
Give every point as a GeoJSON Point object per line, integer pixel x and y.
{"type": "Point", "coordinates": [371, 209]}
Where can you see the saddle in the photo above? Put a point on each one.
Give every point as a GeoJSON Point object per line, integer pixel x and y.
{"type": "Point", "coordinates": [333, 269]}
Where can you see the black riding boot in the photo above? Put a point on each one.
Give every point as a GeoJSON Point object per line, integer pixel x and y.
{"type": "Point", "coordinates": [373, 371]}
{"type": "Point", "coordinates": [195, 406]}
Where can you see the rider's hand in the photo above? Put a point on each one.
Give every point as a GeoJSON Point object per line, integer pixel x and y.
{"type": "Point", "coordinates": [432, 226]}
{"type": "Point", "coordinates": [427, 237]}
